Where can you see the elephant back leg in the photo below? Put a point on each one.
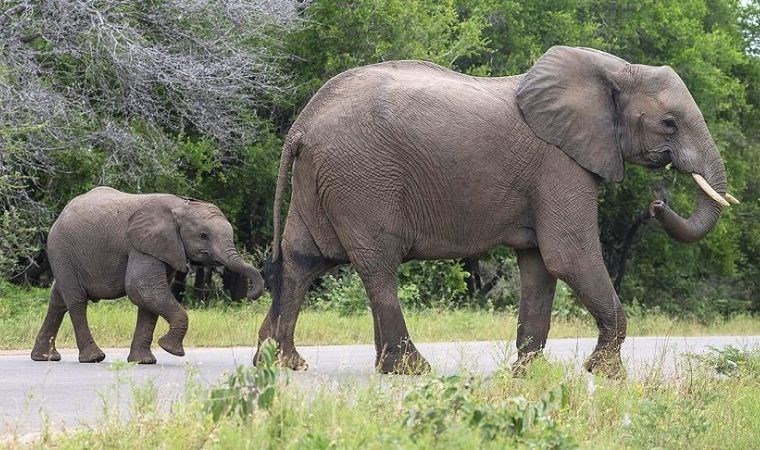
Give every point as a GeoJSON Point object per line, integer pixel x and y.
{"type": "Point", "coordinates": [44, 345]}
{"type": "Point", "coordinates": [537, 288]}
{"type": "Point", "coordinates": [394, 350]}
{"type": "Point", "coordinates": [375, 236]}
{"type": "Point", "coordinates": [300, 263]}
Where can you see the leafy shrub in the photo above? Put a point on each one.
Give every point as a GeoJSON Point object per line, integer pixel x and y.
{"type": "Point", "coordinates": [343, 292]}
{"type": "Point", "coordinates": [17, 237]}
{"type": "Point", "coordinates": [438, 283]}
{"type": "Point", "coordinates": [445, 402]}
{"type": "Point", "coordinates": [732, 361]}
{"type": "Point", "coordinates": [434, 405]}
{"type": "Point", "coordinates": [566, 303]}
{"type": "Point", "coordinates": [248, 388]}
{"type": "Point", "coordinates": [421, 284]}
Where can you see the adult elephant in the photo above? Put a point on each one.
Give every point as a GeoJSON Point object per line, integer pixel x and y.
{"type": "Point", "coordinates": [107, 243]}
{"type": "Point", "coordinates": [407, 160]}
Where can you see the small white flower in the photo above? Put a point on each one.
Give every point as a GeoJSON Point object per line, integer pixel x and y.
{"type": "Point", "coordinates": [626, 420]}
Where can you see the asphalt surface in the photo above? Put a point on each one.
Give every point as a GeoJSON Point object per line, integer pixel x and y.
{"type": "Point", "coordinates": [65, 395]}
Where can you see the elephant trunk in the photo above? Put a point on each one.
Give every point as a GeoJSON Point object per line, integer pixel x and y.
{"type": "Point", "coordinates": [711, 179]}
{"type": "Point", "coordinates": [236, 264]}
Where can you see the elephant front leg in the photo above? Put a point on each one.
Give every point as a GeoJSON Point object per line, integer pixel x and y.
{"type": "Point", "coordinates": [568, 236]}
{"type": "Point", "coordinates": [586, 274]}
{"type": "Point", "coordinates": [537, 288]}
{"type": "Point", "coordinates": [147, 287]}
{"type": "Point", "coordinates": [139, 351]}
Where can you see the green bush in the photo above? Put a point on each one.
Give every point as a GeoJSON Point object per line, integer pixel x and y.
{"type": "Point", "coordinates": [437, 283]}
{"type": "Point", "coordinates": [250, 387]}
{"type": "Point", "coordinates": [421, 284]}
{"type": "Point", "coordinates": [731, 361]}
{"type": "Point", "coordinates": [441, 404]}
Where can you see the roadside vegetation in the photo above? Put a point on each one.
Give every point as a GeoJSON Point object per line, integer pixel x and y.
{"type": "Point", "coordinates": [711, 401]}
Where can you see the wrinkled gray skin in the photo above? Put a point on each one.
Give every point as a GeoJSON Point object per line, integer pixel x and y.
{"type": "Point", "coordinates": [107, 244]}
{"type": "Point", "coordinates": [407, 160]}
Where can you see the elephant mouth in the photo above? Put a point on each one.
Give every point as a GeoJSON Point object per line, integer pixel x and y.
{"type": "Point", "coordinates": [204, 258]}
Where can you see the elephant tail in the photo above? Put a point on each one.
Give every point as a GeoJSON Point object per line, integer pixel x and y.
{"type": "Point", "coordinates": [289, 152]}
{"type": "Point", "coordinates": [272, 273]}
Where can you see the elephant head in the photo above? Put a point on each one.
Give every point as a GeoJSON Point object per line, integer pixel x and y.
{"type": "Point", "coordinates": [177, 230]}
{"type": "Point", "coordinates": [601, 110]}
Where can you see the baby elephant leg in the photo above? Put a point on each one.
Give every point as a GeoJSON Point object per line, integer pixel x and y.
{"type": "Point", "coordinates": [147, 287]}
{"type": "Point", "coordinates": [44, 344]}
{"type": "Point", "coordinates": [139, 351]}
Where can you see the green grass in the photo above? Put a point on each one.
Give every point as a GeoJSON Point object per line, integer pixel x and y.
{"type": "Point", "coordinates": [553, 407]}
{"type": "Point", "coordinates": [112, 323]}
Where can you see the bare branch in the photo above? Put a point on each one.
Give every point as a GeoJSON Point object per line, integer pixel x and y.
{"type": "Point", "coordinates": [7, 14]}
{"type": "Point", "coordinates": [128, 80]}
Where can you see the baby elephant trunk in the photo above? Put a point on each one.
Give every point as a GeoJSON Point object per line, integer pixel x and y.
{"type": "Point", "coordinates": [255, 282]}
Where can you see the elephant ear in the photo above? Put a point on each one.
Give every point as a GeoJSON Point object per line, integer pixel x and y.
{"type": "Point", "coordinates": [152, 229]}
{"type": "Point", "coordinates": [569, 99]}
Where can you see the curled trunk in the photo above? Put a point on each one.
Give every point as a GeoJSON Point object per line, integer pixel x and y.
{"type": "Point", "coordinates": [255, 282]}
{"type": "Point", "coordinates": [705, 215]}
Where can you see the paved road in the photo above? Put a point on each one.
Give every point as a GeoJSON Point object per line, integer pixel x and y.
{"type": "Point", "coordinates": [66, 394]}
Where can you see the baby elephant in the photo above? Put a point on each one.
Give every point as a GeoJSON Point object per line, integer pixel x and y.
{"type": "Point", "coordinates": [106, 244]}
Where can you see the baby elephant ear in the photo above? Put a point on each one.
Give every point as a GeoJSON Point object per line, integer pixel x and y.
{"type": "Point", "coordinates": [569, 99]}
{"type": "Point", "coordinates": [152, 229]}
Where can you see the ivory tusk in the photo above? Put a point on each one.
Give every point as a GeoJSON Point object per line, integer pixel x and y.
{"type": "Point", "coordinates": [709, 190]}
{"type": "Point", "coordinates": [731, 199]}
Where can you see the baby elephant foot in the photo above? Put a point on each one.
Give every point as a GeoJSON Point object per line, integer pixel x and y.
{"type": "Point", "coordinates": [91, 354]}
{"type": "Point", "coordinates": [606, 362]}
{"type": "Point", "coordinates": [171, 345]}
{"type": "Point", "coordinates": [141, 356]}
{"type": "Point", "coordinates": [403, 359]}
{"type": "Point", "coordinates": [45, 352]}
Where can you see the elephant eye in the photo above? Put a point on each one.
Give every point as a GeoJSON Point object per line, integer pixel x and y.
{"type": "Point", "coordinates": [204, 236]}
{"type": "Point", "coordinates": [669, 123]}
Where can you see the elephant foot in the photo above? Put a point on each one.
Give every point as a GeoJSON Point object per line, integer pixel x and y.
{"type": "Point", "coordinates": [171, 345]}
{"type": "Point", "coordinates": [91, 354]}
{"type": "Point", "coordinates": [524, 360]}
{"type": "Point", "coordinates": [287, 359]}
{"type": "Point", "coordinates": [142, 356]}
{"type": "Point", "coordinates": [292, 360]}
{"type": "Point", "coordinates": [606, 362]}
{"type": "Point", "coordinates": [402, 359]}
{"type": "Point", "coordinates": [45, 352]}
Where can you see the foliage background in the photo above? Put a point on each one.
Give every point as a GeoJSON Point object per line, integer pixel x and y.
{"type": "Point", "coordinates": [195, 97]}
